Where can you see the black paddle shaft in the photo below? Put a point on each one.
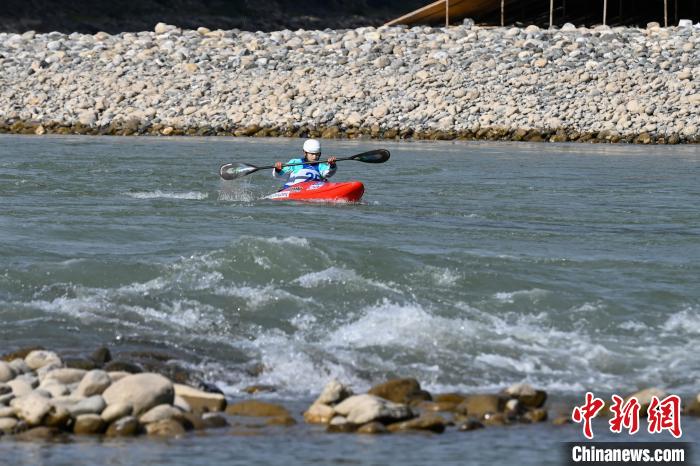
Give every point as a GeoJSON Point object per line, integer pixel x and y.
{"type": "Point", "coordinates": [231, 171]}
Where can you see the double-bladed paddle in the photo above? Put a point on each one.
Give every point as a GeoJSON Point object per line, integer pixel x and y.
{"type": "Point", "coordinates": [231, 171]}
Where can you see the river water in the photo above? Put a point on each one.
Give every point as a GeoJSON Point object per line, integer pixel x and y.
{"type": "Point", "coordinates": [470, 266]}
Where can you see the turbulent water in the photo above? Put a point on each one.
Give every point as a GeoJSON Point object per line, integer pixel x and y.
{"type": "Point", "coordinates": [468, 266]}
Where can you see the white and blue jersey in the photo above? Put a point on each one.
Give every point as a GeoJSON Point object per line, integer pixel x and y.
{"type": "Point", "coordinates": [305, 172]}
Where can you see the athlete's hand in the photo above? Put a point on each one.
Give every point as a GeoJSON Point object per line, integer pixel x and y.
{"type": "Point", "coordinates": [331, 160]}
{"type": "Point", "coordinates": [278, 166]}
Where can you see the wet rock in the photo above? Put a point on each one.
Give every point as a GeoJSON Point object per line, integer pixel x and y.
{"type": "Point", "coordinates": [20, 353]}
{"type": "Point", "coordinates": [361, 409]}
{"type": "Point", "coordinates": [400, 391]}
{"type": "Point", "coordinates": [333, 392]}
{"type": "Point", "coordinates": [39, 358]}
{"type": "Point", "coordinates": [125, 427]}
{"type": "Point", "coordinates": [79, 363]}
{"type": "Point", "coordinates": [19, 366]}
{"type": "Point", "coordinates": [527, 395]}
{"type": "Point", "coordinates": [494, 419]}
{"type": "Point", "coordinates": [123, 366]}
{"type": "Point", "coordinates": [116, 411]}
{"type": "Point", "coordinates": [214, 420]}
{"type": "Point", "coordinates": [21, 386]}
{"type": "Point", "coordinates": [281, 421]}
{"type": "Point", "coordinates": [260, 389]}
{"type": "Point", "coordinates": [165, 428]}
{"type": "Point", "coordinates": [58, 417]}
{"type": "Point", "coordinates": [199, 400]}
{"type": "Point", "coordinates": [255, 408]}
{"type": "Point", "coordinates": [92, 383]}
{"type": "Point", "coordinates": [319, 414]}
{"type": "Point", "coordinates": [88, 424]}
{"type": "Point", "coordinates": [31, 408]}
{"type": "Point", "coordinates": [141, 391]}
{"type": "Point", "coordinates": [453, 398]}
{"type": "Point", "coordinates": [482, 404]}
{"type": "Point", "coordinates": [535, 415]}
{"type": "Point", "coordinates": [92, 405]}
{"type": "Point", "coordinates": [65, 376]}
{"type": "Point", "coordinates": [470, 424]}
{"type": "Point", "coordinates": [38, 433]}
{"type": "Point", "coordinates": [8, 424]}
{"type": "Point", "coordinates": [160, 413]}
{"type": "Point", "coordinates": [373, 428]}
{"type": "Point", "coordinates": [6, 372]}
{"type": "Point", "coordinates": [429, 421]}
{"type": "Point", "coordinates": [101, 356]}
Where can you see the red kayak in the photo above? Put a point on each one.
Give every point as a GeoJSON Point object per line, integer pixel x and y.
{"type": "Point", "coordinates": [321, 191]}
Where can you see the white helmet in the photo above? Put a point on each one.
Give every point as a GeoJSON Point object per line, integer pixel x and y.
{"type": "Point", "coordinates": [312, 146]}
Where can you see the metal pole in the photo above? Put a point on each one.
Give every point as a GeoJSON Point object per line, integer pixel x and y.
{"type": "Point", "coordinates": [551, 13]}
{"type": "Point", "coordinates": [503, 6]}
{"type": "Point", "coordinates": [665, 13]}
{"type": "Point", "coordinates": [605, 11]}
{"type": "Point", "coordinates": [675, 11]}
{"type": "Point", "coordinates": [447, 13]}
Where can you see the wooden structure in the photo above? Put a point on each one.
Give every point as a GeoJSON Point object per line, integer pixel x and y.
{"type": "Point", "coordinates": [556, 11]}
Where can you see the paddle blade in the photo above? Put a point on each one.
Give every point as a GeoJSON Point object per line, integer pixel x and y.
{"type": "Point", "coordinates": [373, 156]}
{"type": "Point", "coordinates": [231, 171]}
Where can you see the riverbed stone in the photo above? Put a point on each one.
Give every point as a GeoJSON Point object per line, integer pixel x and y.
{"type": "Point", "coordinates": [92, 405]}
{"type": "Point", "coordinates": [333, 392]}
{"type": "Point", "coordinates": [31, 408]}
{"type": "Point", "coordinates": [124, 427]}
{"type": "Point", "coordinates": [159, 413]}
{"type": "Point", "coordinates": [141, 391]}
{"type": "Point", "coordinates": [8, 424]}
{"type": "Point", "coordinates": [6, 372]}
{"type": "Point", "coordinates": [116, 411]}
{"type": "Point", "coordinates": [40, 358]}
{"type": "Point", "coordinates": [199, 400]}
{"type": "Point", "coordinates": [361, 409]}
{"type": "Point", "coordinates": [256, 408]}
{"type": "Point", "coordinates": [428, 421]}
{"type": "Point", "coordinates": [92, 383]}
{"type": "Point", "coordinates": [319, 413]}
{"type": "Point", "coordinates": [64, 375]}
{"type": "Point", "coordinates": [527, 395]}
{"type": "Point", "coordinates": [88, 424]}
{"type": "Point", "coordinates": [400, 391]}
{"type": "Point", "coordinates": [165, 428]}
{"type": "Point", "coordinates": [479, 405]}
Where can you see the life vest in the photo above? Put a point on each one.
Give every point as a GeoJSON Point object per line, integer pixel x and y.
{"type": "Point", "coordinates": [305, 172]}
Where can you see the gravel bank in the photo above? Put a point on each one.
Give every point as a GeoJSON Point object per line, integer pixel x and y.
{"type": "Point", "coordinates": [469, 82]}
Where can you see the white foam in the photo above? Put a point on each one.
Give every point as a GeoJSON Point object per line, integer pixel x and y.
{"type": "Point", "coordinates": [685, 321]}
{"type": "Point", "coordinates": [257, 297]}
{"type": "Point", "coordinates": [402, 325]}
{"type": "Point", "coordinates": [509, 297]}
{"type": "Point", "coordinates": [292, 240]}
{"type": "Point", "coordinates": [158, 194]}
{"type": "Point", "coordinates": [329, 275]}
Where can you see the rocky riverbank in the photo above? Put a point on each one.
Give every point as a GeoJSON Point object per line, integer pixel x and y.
{"type": "Point", "coordinates": [465, 82]}
{"type": "Point", "coordinates": [44, 396]}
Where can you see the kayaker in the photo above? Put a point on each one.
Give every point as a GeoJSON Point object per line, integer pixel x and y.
{"type": "Point", "coordinates": [309, 171]}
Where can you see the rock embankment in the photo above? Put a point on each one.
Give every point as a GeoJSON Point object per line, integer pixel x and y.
{"type": "Point", "coordinates": [42, 398]}
{"type": "Point", "coordinates": [469, 82]}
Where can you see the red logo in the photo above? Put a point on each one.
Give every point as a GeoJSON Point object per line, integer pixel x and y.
{"type": "Point", "coordinates": [624, 415]}
{"type": "Point", "coordinates": [665, 415]}
{"type": "Point", "coordinates": [661, 415]}
{"type": "Point", "coordinates": [587, 412]}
